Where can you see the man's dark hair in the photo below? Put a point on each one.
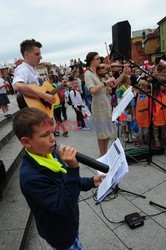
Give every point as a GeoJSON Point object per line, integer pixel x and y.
{"type": "Point", "coordinates": [28, 45]}
{"type": "Point", "coordinates": [25, 120]}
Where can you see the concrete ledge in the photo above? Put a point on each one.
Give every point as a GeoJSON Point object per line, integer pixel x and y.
{"type": "Point", "coordinates": [12, 160]}
{"type": "Point", "coordinates": [5, 120]}
{"type": "Point", "coordinates": [26, 231]}
{"type": "Point", "coordinates": [15, 216]}
{"type": "Point", "coordinates": [7, 136]}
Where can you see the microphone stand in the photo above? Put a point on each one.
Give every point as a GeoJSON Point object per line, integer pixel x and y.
{"type": "Point", "coordinates": [117, 189]}
{"type": "Point", "coordinates": [157, 205]}
{"type": "Point", "coordinates": [149, 157]}
{"type": "Point", "coordinates": [153, 203]}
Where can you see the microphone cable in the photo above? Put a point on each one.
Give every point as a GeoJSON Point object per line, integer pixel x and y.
{"type": "Point", "coordinates": [148, 216]}
{"type": "Point", "coordinates": [109, 197]}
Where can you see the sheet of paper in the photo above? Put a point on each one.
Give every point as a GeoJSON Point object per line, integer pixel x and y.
{"type": "Point", "coordinates": [118, 167]}
{"type": "Point", "coordinates": [127, 97]}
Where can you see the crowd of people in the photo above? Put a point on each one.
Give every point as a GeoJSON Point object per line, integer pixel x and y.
{"type": "Point", "coordinates": [85, 83]}
{"type": "Point", "coordinates": [102, 93]}
{"type": "Point", "coordinates": [50, 180]}
{"type": "Point", "coordinates": [143, 111]}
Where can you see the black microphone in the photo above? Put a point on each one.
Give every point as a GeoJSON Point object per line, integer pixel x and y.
{"type": "Point", "coordinates": [84, 159]}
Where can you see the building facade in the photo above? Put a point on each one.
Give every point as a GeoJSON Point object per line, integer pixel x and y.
{"type": "Point", "coordinates": [162, 27]}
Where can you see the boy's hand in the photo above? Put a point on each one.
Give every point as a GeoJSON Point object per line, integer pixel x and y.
{"type": "Point", "coordinates": [98, 179]}
{"type": "Point", "coordinates": [68, 155]}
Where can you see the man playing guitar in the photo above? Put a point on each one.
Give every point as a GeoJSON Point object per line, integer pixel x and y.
{"type": "Point", "coordinates": [25, 72]}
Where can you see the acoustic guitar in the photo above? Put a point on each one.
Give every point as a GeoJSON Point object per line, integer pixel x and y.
{"type": "Point", "coordinates": [24, 101]}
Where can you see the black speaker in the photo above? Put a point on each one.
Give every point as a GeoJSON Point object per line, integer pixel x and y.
{"type": "Point", "coordinates": [121, 39]}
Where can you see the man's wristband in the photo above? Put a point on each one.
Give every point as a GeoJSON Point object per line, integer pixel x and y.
{"type": "Point", "coordinates": [105, 84]}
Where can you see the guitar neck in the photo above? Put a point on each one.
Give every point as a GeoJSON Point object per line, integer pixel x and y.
{"type": "Point", "coordinates": [55, 90]}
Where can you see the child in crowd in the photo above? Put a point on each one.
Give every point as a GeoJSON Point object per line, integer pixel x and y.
{"type": "Point", "coordinates": [140, 111]}
{"type": "Point", "coordinates": [159, 112]}
{"type": "Point", "coordinates": [77, 104]}
{"type": "Point", "coordinates": [4, 100]}
{"type": "Point", "coordinates": [125, 126]}
{"type": "Point", "coordinates": [50, 181]}
{"type": "Point", "coordinates": [109, 92]}
{"type": "Point", "coordinates": [62, 95]}
{"type": "Point", "coordinates": [57, 110]}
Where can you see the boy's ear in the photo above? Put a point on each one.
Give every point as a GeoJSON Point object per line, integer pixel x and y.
{"type": "Point", "coordinates": [26, 142]}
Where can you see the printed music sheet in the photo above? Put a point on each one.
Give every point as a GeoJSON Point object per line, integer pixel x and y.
{"type": "Point", "coordinates": [127, 97]}
{"type": "Point", "coordinates": [116, 160]}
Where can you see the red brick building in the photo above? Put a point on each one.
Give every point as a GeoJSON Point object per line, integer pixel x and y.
{"type": "Point", "coordinates": [152, 44]}
{"type": "Point", "coordinates": [137, 53]}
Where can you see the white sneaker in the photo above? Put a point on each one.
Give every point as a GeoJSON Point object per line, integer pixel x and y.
{"type": "Point", "coordinates": [85, 129]}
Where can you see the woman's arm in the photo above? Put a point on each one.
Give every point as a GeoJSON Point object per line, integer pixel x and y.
{"type": "Point", "coordinates": [97, 88]}
{"type": "Point", "coordinates": [119, 79]}
{"type": "Point", "coordinates": [93, 89]}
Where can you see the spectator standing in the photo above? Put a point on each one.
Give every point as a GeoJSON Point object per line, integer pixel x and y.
{"type": "Point", "coordinates": [140, 111]}
{"type": "Point", "coordinates": [77, 104]}
{"type": "Point", "coordinates": [4, 100]}
{"type": "Point", "coordinates": [159, 112]}
{"type": "Point", "coordinates": [57, 110]}
{"type": "Point", "coordinates": [126, 124]}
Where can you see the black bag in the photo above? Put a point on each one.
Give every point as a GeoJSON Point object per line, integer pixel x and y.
{"type": "Point", "coordinates": [2, 175]}
{"type": "Point", "coordinates": [69, 98]}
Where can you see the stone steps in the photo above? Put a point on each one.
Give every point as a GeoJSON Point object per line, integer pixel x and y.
{"type": "Point", "coordinates": [6, 133]}
{"type": "Point", "coordinates": [11, 155]}
{"type": "Point", "coordinates": [10, 148]}
{"type": "Point", "coordinates": [15, 216]}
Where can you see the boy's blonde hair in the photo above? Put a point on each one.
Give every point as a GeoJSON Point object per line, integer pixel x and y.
{"type": "Point", "coordinates": [25, 120]}
{"type": "Point", "coordinates": [125, 79]}
{"type": "Point", "coordinates": [143, 84]}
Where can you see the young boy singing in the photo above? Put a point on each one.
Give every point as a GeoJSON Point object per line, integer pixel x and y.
{"type": "Point", "coordinates": [49, 181]}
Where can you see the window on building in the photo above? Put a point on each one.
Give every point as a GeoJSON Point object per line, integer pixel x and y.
{"type": "Point", "coordinates": [162, 29]}
{"type": "Point", "coordinates": [163, 45]}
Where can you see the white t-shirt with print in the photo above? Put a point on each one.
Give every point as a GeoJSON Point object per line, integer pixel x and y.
{"type": "Point", "coordinates": [26, 74]}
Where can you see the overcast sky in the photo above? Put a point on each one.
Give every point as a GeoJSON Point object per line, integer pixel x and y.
{"type": "Point", "coordinates": [70, 28]}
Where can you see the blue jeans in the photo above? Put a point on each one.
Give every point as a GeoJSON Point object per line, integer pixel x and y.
{"type": "Point", "coordinates": [76, 245]}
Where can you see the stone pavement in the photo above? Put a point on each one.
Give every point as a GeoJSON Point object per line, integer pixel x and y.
{"type": "Point", "coordinates": [97, 233]}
